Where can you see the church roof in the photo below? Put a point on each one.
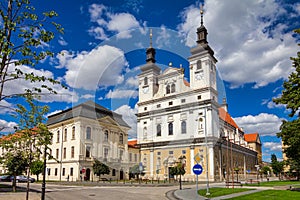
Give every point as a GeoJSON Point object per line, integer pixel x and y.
{"type": "Point", "coordinates": [225, 116]}
{"type": "Point", "coordinates": [88, 109]}
{"type": "Point", "coordinates": [252, 137]}
{"type": "Point", "coordinates": [132, 143]}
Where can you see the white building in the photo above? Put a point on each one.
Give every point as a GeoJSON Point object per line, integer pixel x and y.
{"type": "Point", "coordinates": [177, 119]}
{"type": "Point", "coordinates": [82, 134]}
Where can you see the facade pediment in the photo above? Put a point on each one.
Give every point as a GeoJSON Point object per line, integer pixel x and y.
{"type": "Point", "coordinates": [170, 70]}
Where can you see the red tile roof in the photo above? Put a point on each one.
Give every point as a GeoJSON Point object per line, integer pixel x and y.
{"type": "Point", "coordinates": [132, 143]}
{"type": "Point", "coordinates": [225, 116]}
{"type": "Point", "coordinates": [251, 137]}
{"type": "Point", "coordinates": [186, 83]}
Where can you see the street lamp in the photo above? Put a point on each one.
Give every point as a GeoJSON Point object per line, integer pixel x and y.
{"type": "Point", "coordinates": [206, 149]}
{"type": "Point", "coordinates": [181, 170]}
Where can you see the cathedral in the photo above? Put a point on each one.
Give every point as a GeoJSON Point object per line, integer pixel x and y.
{"type": "Point", "coordinates": [181, 121]}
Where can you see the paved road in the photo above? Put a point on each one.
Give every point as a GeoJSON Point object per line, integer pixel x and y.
{"type": "Point", "coordinates": [56, 192]}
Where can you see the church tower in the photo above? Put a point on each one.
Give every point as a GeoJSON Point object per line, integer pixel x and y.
{"type": "Point", "coordinates": [203, 63]}
{"type": "Point", "coordinates": [148, 83]}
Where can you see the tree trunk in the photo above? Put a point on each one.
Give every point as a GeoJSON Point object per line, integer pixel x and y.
{"type": "Point", "coordinates": [14, 187]}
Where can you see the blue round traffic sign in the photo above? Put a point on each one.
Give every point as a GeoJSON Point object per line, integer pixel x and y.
{"type": "Point", "coordinates": [197, 169]}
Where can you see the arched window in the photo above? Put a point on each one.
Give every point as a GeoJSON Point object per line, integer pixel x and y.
{"type": "Point", "coordinates": [73, 133]}
{"type": "Point", "coordinates": [199, 65]}
{"type": "Point", "coordinates": [66, 135]}
{"type": "Point", "coordinates": [121, 138]}
{"type": "Point", "coordinates": [145, 133]}
{"type": "Point", "coordinates": [106, 136]}
{"type": "Point", "coordinates": [145, 81]}
{"type": "Point", "coordinates": [58, 136]}
{"type": "Point", "coordinates": [88, 133]}
{"type": "Point", "coordinates": [173, 88]}
{"type": "Point", "coordinates": [158, 130]}
{"type": "Point", "coordinates": [183, 127]}
{"type": "Point", "coordinates": [170, 126]}
{"type": "Point", "coordinates": [168, 89]}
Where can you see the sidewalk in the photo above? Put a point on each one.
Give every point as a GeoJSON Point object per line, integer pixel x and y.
{"type": "Point", "coordinates": [190, 193]}
{"type": "Point", "coordinates": [19, 196]}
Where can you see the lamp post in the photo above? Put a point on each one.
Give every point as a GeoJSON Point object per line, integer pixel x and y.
{"type": "Point", "coordinates": [181, 170]}
{"type": "Point", "coordinates": [206, 149]}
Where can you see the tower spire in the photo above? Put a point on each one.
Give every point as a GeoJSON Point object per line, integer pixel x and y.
{"type": "Point", "coordinates": [201, 13]}
{"type": "Point", "coordinates": [150, 52]}
{"type": "Point", "coordinates": [150, 35]}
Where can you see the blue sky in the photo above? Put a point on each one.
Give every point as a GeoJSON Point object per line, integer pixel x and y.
{"type": "Point", "coordinates": [104, 43]}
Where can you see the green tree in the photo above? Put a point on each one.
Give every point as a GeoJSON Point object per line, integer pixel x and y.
{"type": "Point", "coordinates": [276, 166]}
{"type": "Point", "coordinates": [16, 164]}
{"type": "Point", "coordinates": [24, 36]}
{"type": "Point", "coordinates": [100, 168]}
{"type": "Point", "coordinates": [266, 170]}
{"type": "Point", "coordinates": [36, 168]}
{"type": "Point", "coordinates": [290, 97]}
{"type": "Point", "coordinates": [31, 137]}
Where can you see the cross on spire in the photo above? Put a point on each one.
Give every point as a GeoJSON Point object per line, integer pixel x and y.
{"type": "Point", "coordinates": [201, 13]}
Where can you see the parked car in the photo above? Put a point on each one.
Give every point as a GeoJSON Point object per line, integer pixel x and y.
{"type": "Point", "coordinates": [5, 178]}
{"type": "Point", "coordinates": [22, 178]}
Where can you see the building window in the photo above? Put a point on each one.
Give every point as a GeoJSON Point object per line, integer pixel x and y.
{"type": "Point", "coordinates": [88, 151]}
{"type": "Point", "coordinates": [88, 133]}
{"type": "Point", "coordinates": [135, 157]}
{"type": "Point", "coordinates": [168, 90]}
{"type": "Point", "coordinates": [158, 105]}
{"type": "Point", "coordinates": [145, 81]}
{"type": "Point", "coordinates": [158, 130]}
{"type": "Point", "coordinates": [72, 151]}
{"type": "Point", "coordinates": [121, 155]}
{"type": "Point", "coordinates": [57, 153]}
{"type": "Point", "coordinates": [183, 151]}
{"type": "Point", "coordinates": [50, 152]}
{"type": "Point", "coordinates": [170, 103]}
{"type": "Point", "coordinates": [199, 65]}
{"type": "Point", "coordinates": [199, 97]}
{"type": "Point", "coordinates": [49, 171]}
{"type": "Point", "coordinates": [65, 153]}
{"type": "Point", "coordinates": [145, 133]}
{"type": "Point", "coordinates": [182, 100]}
{"type": "Point", "coordinates": [158, 153]}
{"type": "Point", "coordinates": [71, 171]}
{"type": "Point", "coordinates": [66, 135]}
{"type": "Point", "coordinates": [183, 127]}
{"type": "Point", "coordinates": [113, 173]}
{"type": "Point", "coordinates": [105, 153]}
{"type": "Point", "coordinates": [170, 126]}
{"type": "Point", "coordinates": [73, 133]}
{"type": "Point", "coordinates": [171, 152]}
{"type": "Point", "coordinates": [55, 172]}
{"type": "Point", "coordinates": [121, 140]}
{"type": "Point", "coordinates": [173, 88]}
{"type": "Point", "coordinates": [58, 136]}
{"type": "Point", "coordinates": [64, 171]}
{"type": "Point", "coordinates": [130, 157]}
{"type": "Point", "coordinates": [145, 108]}
{"type": "Point", "coordinates": [105, 136]}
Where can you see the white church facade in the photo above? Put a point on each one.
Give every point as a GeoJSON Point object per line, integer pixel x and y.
{"type": "Point", "coordinates": [183, 121]}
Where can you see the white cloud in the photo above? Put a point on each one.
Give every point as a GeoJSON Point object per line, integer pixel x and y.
{"type": "Point", "coordinates": [119, 94]}
{"type": "Point", "coordinates": [119, 23]}
{"type": "Point", "coordinates": [264, 124]}
{"type": "Point", "coordinates": [163, 37]}
{"type": "Point", "coordinates": [6, 107]}
{"type": "Point", "coordinates": [273, 146]}
{"type": "Point", "coordinates": [87, 96]}
{"type": "Point", "coordinates": [7, 127]}
{"type": "Point", "coordinates": [250, 44]}
{"type": "Point", "coordinates": [132, 82]}
{"type": "Point", "coordinates": [101, 67]}
{"type": "Point", "coordinates": [130, 118]}
{"type": "Point", "coordinates": [18, 86]}
{"type": "Point", "coordinates": [62, 41]}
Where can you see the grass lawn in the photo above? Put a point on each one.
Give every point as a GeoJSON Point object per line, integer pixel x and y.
{"type": "Point", "coordinates": [275, 183]}
{"type": "Point", "coordinates": [216, 192]}
{"type": "Point", "coordinates": [270, 195]}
